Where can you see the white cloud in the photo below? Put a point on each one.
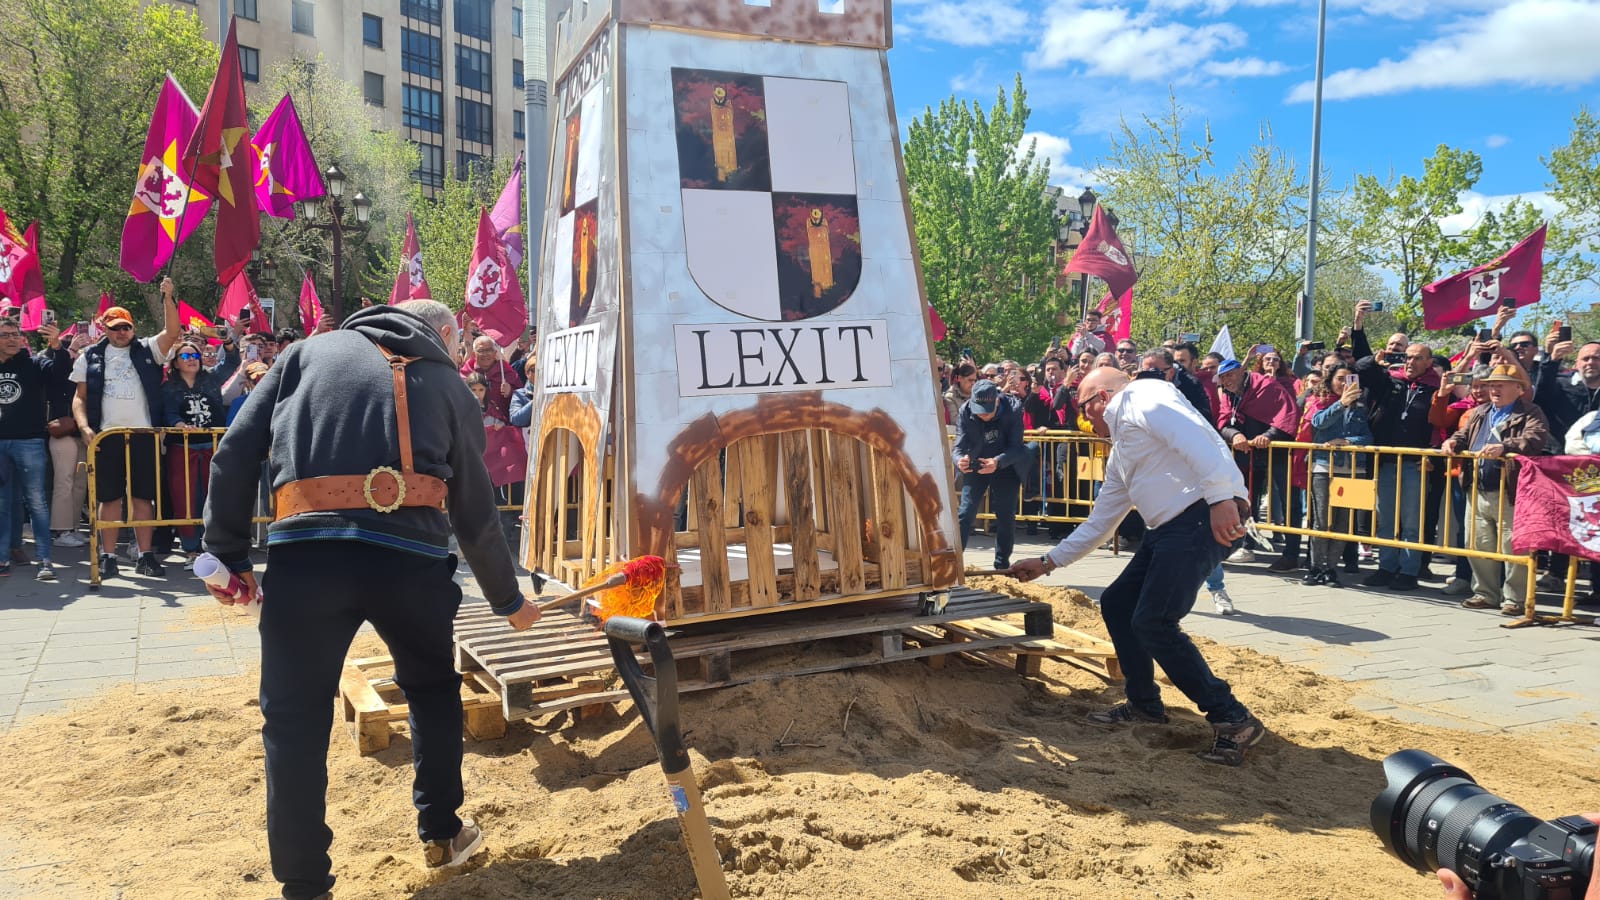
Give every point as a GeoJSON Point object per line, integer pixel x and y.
{"type": "Point", "coordinates": [1525, 42]}
{"type": "Point", "coordinates": [1113, 42]}
{"type": "Point", "coordinates": [1474, 205]}
{"type": "Point", "coordinates": [1055, 148]}
{"type": "Point", "coordinates": [1496, 140]}
{"type": "Point", "coordinates": [1212, 7]}
{"type": "Point", "coordinates": [976, 23]}
{"type": "Point", "coordinates": [1244, 67]}
{"type": "Point", "coordinates": [973, 80]}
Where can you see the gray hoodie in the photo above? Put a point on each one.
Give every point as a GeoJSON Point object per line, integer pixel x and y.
{"type": "Point", "coordinates": [327, 408]}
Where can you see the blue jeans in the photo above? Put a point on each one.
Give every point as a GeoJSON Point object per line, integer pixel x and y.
{"type": "Point", "coordinates": [1214, 580]}
{"type": "Point", "coordinates": [318, 593]}
{"type": "Point", "coordinates": [1143, 607]}
{"type": "Point", "coordinates": [23, 466]}
{"type": "Point", "coordinates": [1002, 487]}
{"type": "Point", "coordinates": [1409, 527]}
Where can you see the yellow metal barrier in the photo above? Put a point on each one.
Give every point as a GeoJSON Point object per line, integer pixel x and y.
{"type": "Point", "coordinates": [162, 441]}
{"type": "Point", "coordinates": [1067, 471]}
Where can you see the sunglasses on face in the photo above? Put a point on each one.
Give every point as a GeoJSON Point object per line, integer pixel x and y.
{"type": "Point", "coordinates": [1523, 345]}
{"type": "Point", "coordinates": [120, 328]}
{"type": "Point", "coordinates": [188, 356]}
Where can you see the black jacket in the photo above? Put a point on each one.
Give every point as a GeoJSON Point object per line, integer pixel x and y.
{"type": "Point", "coordinates": [26, 383]}
{"type": "Point", "coordinates": [999, 438]}
{"type": "Point", "coordinates": [1192, 391]}
{"type": "Point", "coordinates": [326, 407]}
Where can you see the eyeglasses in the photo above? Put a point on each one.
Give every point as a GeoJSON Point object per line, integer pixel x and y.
{"type": "Point", "coordinates": [8, 335]}
{"type": "Point", "coordinates": [188, 356]}
{"type": "Point", "coordinates": [120, 328]}
{"type": "Point", "coordinates": [1522, 345]}
{"type": "Point", "coordinates": [1126, 350]}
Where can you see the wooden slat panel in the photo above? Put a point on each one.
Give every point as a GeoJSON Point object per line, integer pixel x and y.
{"type": "Point", "coordinates": [760, 505]}
{"type": "Point", "coordinates": [820, 452]}
{"type": "Point", "coordinates": [844, 513]}
{"type": "Point", "coordinates": [802, 515]}
{"type": "Point", "coordinates": [890, 518]}
{"type": "Point", "coordinates": [732, 488]}
{"type": "Point", "coordinates": [707, 493]}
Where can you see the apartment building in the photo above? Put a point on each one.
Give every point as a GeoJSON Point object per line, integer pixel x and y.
{"type": "Point", "coordinates": [444, 74]}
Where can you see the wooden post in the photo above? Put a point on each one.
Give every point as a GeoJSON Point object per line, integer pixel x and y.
{"type": "Point", "coordinates": [844, 502]}
{"type": "Point", "coordinates": [706, 485]}
{"type": "Point", "coordinates": [759, 507]}
{"type": "Point", "coordinates": [889, 521]}
{"type": "Point", "coordinates": [802, 515]}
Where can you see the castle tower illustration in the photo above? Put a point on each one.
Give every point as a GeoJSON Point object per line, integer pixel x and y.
{"type": "Point", "coordinates": [734, 361]}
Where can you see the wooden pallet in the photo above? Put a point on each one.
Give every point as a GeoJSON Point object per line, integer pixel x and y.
{"type": "Point", "coordinates": [562, 663]}
{"type": "Point", "coordinates": [374, 707]}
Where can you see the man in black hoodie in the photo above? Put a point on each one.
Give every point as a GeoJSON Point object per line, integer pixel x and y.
{"type": "Point", "coordinates": [345, 421]}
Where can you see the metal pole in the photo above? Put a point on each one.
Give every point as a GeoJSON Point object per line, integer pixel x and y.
{"type": "Point", "coordinates": [222, 22]}
{"type": "Point", "coordinates": [536, 134]}
{"type": "Point", "coordinates": [338, 262]}
{"type": "Point", "coordinates": [1307, 307]}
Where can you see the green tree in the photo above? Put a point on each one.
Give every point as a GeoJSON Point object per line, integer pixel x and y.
{"type": "Point", "coordinates": [1215, 243]}
{"type": "Point", "coordinates": [78, 79]}
{"type": "Point", "coordinates": [342, 129]}
{"type": "Point", "coordinates": [984, 225]}
{"type": "Point", "coordinates": [1574, 238]}
{"type": "Point", "coordinates": [447, 228]}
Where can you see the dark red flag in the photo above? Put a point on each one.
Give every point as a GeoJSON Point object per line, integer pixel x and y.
{"type": "Point", "coordinates": [219, 156]}
{"type": "Point", "coordinates": [1479, 292]}
{"type": "Point", "coordinates": [1101, 255]}
{"type": "Point", "coordinates": [1558, 506]}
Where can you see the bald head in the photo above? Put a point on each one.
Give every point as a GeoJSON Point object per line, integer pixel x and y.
{"type": "Point", "coordinates": [1106, 378]}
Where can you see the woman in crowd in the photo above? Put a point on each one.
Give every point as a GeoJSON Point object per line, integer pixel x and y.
{"type": "Point", "coordinates": [192, 401]}
{"type": "Point", "coordinates": [1340, 420]}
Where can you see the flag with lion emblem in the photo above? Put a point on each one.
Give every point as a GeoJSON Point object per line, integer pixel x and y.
{"type": "Point", "coordinates": [494, 296]}
{"type": "Point", "coordinates": [1558, 506]}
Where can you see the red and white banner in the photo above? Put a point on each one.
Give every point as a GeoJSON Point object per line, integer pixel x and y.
{"type": "Point", "coordinates": [1558, 506]}
{"type": "Point", "coordinates": [1479, 292]}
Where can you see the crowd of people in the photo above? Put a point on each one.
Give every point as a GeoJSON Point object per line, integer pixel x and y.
{"type": "Point", "coordinates": [1499, 395]}
{"type": "Point", "coordinates": [56, 396]}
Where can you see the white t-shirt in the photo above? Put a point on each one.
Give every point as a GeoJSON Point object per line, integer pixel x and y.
{"type": "Point", "coordinates": [123, 403]}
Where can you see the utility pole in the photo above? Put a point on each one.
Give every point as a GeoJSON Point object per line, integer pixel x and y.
{"type": "Point", "coordinates": [1305, 315]}
{"type": "Point", "coordinates": [536, 66]}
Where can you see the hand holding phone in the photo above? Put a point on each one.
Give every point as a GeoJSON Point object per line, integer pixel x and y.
{"type": "Point", "coordinates": [1377, 306]}
{"type": "Point", "coordinates": [49, 317]}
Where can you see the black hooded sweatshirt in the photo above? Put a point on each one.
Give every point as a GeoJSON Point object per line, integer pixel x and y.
{"type": "Point", "coordinates": [326, 407]}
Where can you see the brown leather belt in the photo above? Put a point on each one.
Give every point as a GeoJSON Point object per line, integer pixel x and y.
{"type": "Point", "coordinates": [383, 489]}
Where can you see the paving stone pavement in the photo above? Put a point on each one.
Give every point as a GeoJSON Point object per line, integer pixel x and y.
{"type": "Point", "coordinates": [1419, 656]}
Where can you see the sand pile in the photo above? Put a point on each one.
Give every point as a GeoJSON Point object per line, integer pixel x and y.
{"type": "Point", "coordinates": [962, 782]}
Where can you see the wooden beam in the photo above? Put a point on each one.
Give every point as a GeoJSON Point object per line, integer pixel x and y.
{"type": "Point", "coordinates": [802, 515]}
{"type": "Point", "coordinates": [890, 520]}
{"type": "Point", "coordinates": [844, 513]}
{"type": "Point", "coordinates": [707, 485]}
{"type": "Point", "coordinates": [760, 505]}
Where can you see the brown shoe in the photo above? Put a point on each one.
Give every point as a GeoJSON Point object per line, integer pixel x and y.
{"type": "Point", "coordinates": [457, 850]}
{"type": "Point", "coordinates": [1232, 739]}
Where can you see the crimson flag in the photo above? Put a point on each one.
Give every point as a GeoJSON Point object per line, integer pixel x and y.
{"type": "Point", "coordinates": [196, 322]}
{"type": "Point", "coordinates": [1100, 254]}
{"type": "Point", "coordinates": [219, 155]}
{"type": "Point", "coordinates": [95, 331]}
{"type": "Point", "coordinates": [32, 283]}
{"type": "Point", "coordinates": [1479, 292]}
{"type": "Point", "coordinates": [1120, 322]}
{"type": "Point", "coordinates": [1558, 506]}
{"type": "Point", "coordinates": [240, 295]}
{"type": "Point", "coordinates": [310, 306]}
{"type": "Point", "coordinates": [936, 323]}
{"type": "Point", "coordinates": [410, 284]}
{"type": "Point", "coordinates": [494, 295]}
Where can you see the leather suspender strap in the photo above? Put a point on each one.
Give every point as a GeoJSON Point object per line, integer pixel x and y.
{"type": "Point", "coordinates": [402, 409]}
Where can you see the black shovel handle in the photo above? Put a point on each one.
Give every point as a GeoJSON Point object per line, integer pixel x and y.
{"type": "Point", "coordinates": [656, 697]}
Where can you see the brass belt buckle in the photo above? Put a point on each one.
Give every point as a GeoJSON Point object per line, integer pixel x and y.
{"type": "Point", "coordinates": [400, 490]}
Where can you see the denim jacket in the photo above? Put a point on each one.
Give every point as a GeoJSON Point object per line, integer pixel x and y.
{"type": "Point", "coordinates": [1340, 421]}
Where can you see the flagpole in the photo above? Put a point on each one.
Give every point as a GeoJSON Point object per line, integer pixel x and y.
{"type": "Point", "coordinates": [536, 131]}
{"type": "Point", "coordinates": [1306, 314]}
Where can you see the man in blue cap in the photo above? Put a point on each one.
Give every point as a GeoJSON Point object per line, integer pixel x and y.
{"type": "Point", "coordinates": [991, 457]}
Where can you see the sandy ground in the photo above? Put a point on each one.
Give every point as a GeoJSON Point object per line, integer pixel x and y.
{"type": "Point", "coordinates": [962, 782]}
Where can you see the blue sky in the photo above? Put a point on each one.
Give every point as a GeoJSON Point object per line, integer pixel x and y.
{"type": "Point", "coordinates": [1500, 77]}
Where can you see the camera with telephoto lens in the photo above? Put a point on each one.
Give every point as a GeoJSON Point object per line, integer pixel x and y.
{"type": "Point", "coordinates": [1433, 816]}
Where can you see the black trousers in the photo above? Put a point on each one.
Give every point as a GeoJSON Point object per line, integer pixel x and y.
{"type": "Point", "coordinates": [317, 594]}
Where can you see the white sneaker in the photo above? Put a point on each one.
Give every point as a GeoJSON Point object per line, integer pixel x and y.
{"type": "Point", "coordinates": [1242, 555]}
{"type": "Point", "coordinates": [130, 552]}
{"type": "Point", "coordinates": [1223, 603]}
{"type": "Point", "coordinates": [69, 539]}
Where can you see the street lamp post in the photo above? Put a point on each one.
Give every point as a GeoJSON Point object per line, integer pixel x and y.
{"type": "Point", "coordinates": [337, 226]}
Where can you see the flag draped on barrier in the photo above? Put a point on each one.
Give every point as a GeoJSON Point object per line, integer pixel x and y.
{"type": "Point", "coordinates": [1515, 275]}
{"type": "Point", "coordinates": [494, 295]}
{"type": "Point", "coordinates": [507, 215]}
{"type": "Point", "coordinates": [286, 170]}
{"type": "Point", "coordinates": [410, 283]}
{"type": "Point", "coordinates": [219, 156]}
{"type": "Point", "coordinates": [1558, 506]}
{"type": "Point", "coordinates": [167, 208]}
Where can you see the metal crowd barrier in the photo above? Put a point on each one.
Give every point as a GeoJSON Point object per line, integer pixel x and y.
{"type": "Point", "coordinates": [1069, 466]}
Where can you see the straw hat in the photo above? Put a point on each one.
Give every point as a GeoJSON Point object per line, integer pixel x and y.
{"type": "Point", "coordinates": [1502, 373]}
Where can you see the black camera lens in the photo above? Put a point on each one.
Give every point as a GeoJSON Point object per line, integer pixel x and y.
{"type": "Point", "coordinates": [1432, 815]}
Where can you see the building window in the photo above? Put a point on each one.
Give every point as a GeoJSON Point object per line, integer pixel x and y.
{"type": "Point", "coordinates": [516, 21]}
{"type": "Point", "coordinates": [421, 54]}
{"type": "Point", "coordinates": [474, 69]}
{"type": "Point", "coordinates": [475, 18]}
{"type": "Point", "coordinates": [372, 88]}
{"type": "Point", "coordinates": [250, 63]}
{"type": "Point", "coordinates": [519, 124]}
{"type": "Point", "coordinates": [371, 29]}
{"type": "Point", "coordinates": [303, 16]}
{"type": "Point", "coordinates": [430, 166]}
{"type": "Point", "coordinates": [469, 164]}
{"type": "Point", "coordinates": [516, 73]}
{"type": "Point", "coordinates": [423, 110]}
{"type": "Point", "coordinates": [474, 121]}
{"type": "Point", "coordinates": [245, 9]}
{"type": "Point", "coordinates": [429, 11]}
